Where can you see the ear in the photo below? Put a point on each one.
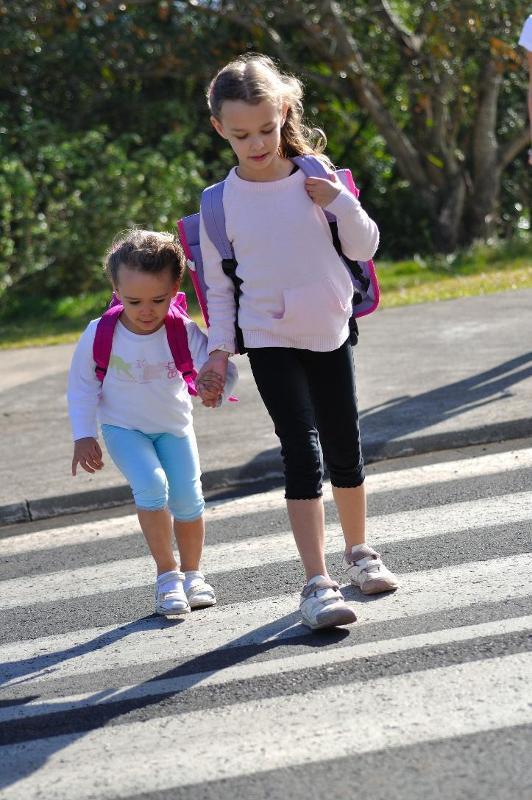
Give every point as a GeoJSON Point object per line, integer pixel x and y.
{"type": "Point", "coordinates": [218, 127]}
{"type": "Point", "coordinates": [284, 113]}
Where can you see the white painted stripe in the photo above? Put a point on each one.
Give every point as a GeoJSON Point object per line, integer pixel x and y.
{"type": "Point", "coordinates": [80, 533]}
{"type": "Point", "coordinates": [280, 732]}
{"type": "Point", "coordinates": [377, 482]}
{"type": "Point", "coordinates": [132, 573]}
{"type": "Point", "coordinates": [396, 480]}
{"type": "Point", "coordinates": [258, 669]}
{"type": "Point", "coordinates": [254, 622]}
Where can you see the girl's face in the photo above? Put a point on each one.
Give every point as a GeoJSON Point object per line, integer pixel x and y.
{"type": "Point", "coordinates": [254, 133]}
{"type": "Point", "coordinates": [146, 298]}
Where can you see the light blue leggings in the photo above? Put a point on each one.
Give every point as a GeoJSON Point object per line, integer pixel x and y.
{"type": "Point", "coordinates": [162, 469]}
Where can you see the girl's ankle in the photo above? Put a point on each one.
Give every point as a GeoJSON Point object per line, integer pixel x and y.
{"type": "Point", "coordinates": [164, 568]}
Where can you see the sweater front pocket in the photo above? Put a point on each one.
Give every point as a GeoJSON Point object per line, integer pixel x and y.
{"type": "Point", "coordinates": [317, 309]}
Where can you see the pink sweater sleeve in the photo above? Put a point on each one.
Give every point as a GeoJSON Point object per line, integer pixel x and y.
{"type": "Point", "coordinates": [358, 233]}
{"type": "Point", "coordinates": [220, 297]}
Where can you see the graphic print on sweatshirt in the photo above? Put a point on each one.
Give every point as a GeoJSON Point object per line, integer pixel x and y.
{"type": "Point", "coordinates": [141, 371]}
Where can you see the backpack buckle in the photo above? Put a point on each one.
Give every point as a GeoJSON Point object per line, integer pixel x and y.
{"type": "Point", "coordinates": [229, 266]}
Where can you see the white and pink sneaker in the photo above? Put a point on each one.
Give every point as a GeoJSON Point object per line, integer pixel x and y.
{"type": "Point", "coordinates": [366, 570]}
{"type": "Point", "coordinates": [322, 604]}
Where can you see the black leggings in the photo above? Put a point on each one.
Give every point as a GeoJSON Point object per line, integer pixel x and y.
{"type": "Point", "coordinates": [311, 398]}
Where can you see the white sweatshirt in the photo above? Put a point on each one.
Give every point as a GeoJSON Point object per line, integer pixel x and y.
{"type": "Point", "coordinates": [142, 389]}
{"type": "Point", "coordinates": [296, 291]}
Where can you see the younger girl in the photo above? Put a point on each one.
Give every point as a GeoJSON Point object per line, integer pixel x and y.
{"type": "Point", "coordinates": [145, 413]}
{"type": "Point", "coordinates": [294, 309]}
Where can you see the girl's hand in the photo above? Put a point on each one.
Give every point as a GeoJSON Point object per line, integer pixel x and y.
{"type": "Point", "coordinates": [323, 191]}
{"type": "Point", "coordinates": [211, 377]}
{"type": "Point", "coordinates": [88, 454]}
{"type": "Point", "coordinates": [210, 388]}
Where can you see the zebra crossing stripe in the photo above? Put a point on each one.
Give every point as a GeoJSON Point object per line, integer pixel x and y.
{"type": "Point", "coordinates": [199, 746]}
{"type": "Point", "coordinates": [259, 669]}
{"type": "Point", "coordinates": [129, 573]}
{"type": "Point", "coordinates": [424, 696]}
{"type": "Point", "coordinates": [255, 621]}
{"type": "Point", "coordinates": [394, 480]}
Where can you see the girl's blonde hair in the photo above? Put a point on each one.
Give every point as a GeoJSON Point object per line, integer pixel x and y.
{"type": "Point", "coordinates": [253, 78]}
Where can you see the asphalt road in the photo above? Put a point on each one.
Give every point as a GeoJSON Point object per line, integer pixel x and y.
{"type": "Point", "coordinates": [428, 692]}
{"type": "Point", "coordinates": [429, 377]}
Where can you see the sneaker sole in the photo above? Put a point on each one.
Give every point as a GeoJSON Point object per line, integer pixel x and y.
{"type": "Point", "coordinates": [333, 619]}
{"type": "Point", "coordinates": [202, 603]}
{"type": "Point", "coordinates": [172, 614]}
{"type": "Point", "coordinates": [378, 587]}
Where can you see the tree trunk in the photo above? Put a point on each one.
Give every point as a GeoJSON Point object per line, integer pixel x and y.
{"type": "Point", "coordinates": [481, 216]}
{"type": "Point", "coordinates": [447, 224]}
{"type": "Point", "coordinates": [485, 157]}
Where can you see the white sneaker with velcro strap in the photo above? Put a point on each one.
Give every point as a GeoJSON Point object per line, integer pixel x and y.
{"type": "Point", "coordinates": [170, 597]}
{"type": "Point", "coordinates": [322, 604]}
{"type": "Point", "coordinates": [366, 570]}
{"type": "Point", "coordinates": [200, 594]}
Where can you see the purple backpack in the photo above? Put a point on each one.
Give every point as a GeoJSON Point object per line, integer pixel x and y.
{"type": "Point", "coordinates": [364, 279]}
{"type": "Point", "coordinates": [175, 331]}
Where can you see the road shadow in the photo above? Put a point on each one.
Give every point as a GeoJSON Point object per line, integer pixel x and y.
{"type": "Point", "coordinates": [70, 725]}
{"type": "Point", "coordinates": [407, 416]}
{"type": "Point", "coordinates": [399, 418]}
{"type": "Point", "coordinates": [410, 414]}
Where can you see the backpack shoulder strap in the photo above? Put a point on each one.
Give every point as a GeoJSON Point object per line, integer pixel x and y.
{"type": "Point", "coordinates": [103, 338]}
{"type": "Point", "coordinates": [312, 166]}
{"type": "Point", "coordinates": [212, 211]}
{"type": "Point", "coordinates": [178, 342]}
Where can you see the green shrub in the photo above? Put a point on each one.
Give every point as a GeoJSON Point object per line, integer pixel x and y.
{"type": "Point", "coordinates": [63, 203]}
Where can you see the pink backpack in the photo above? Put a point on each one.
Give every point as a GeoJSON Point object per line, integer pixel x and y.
{"type": "Point", "coordinates": [175, 331]}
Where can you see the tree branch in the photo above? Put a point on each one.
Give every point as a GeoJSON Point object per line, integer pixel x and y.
{"type": "Point", "coordinates": [405, 39]}
{"type": "Point", "coordinates": [513, 148]}
{"type": "Point", "coordinates": [369, 97]}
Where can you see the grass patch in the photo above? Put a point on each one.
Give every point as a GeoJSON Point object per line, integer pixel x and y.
{"type": "Point", "coordinates": [480, 270]}
{"type": "Point", "coordinates": [477, 271]}
{"type": "Point", "coordinates": [451, 288]}
{"type": "Point", "coordinates": [58, 321]}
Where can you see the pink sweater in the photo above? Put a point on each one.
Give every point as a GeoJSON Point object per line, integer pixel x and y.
{"type": "Point", "coordinates": [296, 291]}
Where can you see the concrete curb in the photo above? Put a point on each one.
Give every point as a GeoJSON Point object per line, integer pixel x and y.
{"type": "Point", "coordinates": [262, 473]}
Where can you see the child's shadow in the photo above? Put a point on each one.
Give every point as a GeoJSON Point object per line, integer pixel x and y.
{"type": "Point", "coordinates": [70, 725]}
{"type": "Point", "coordinates": [37, 666]}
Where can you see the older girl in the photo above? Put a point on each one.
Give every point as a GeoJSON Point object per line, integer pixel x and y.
{"type": "Point", "coordinates": [294, 309]}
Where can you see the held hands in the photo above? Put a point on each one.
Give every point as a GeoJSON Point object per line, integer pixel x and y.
{"type": "Point", "coordinates": [88, 454]}
{"type": "Point", "coordinates": [210, 388]}
{"type": "Point", "coordinates": [211, 378]}
{"type": "Point", "coordinates": [323, 191]}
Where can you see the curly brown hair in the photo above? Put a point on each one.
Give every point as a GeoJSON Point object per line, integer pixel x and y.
{"type": "Point", "coordinates": [145, 251]}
